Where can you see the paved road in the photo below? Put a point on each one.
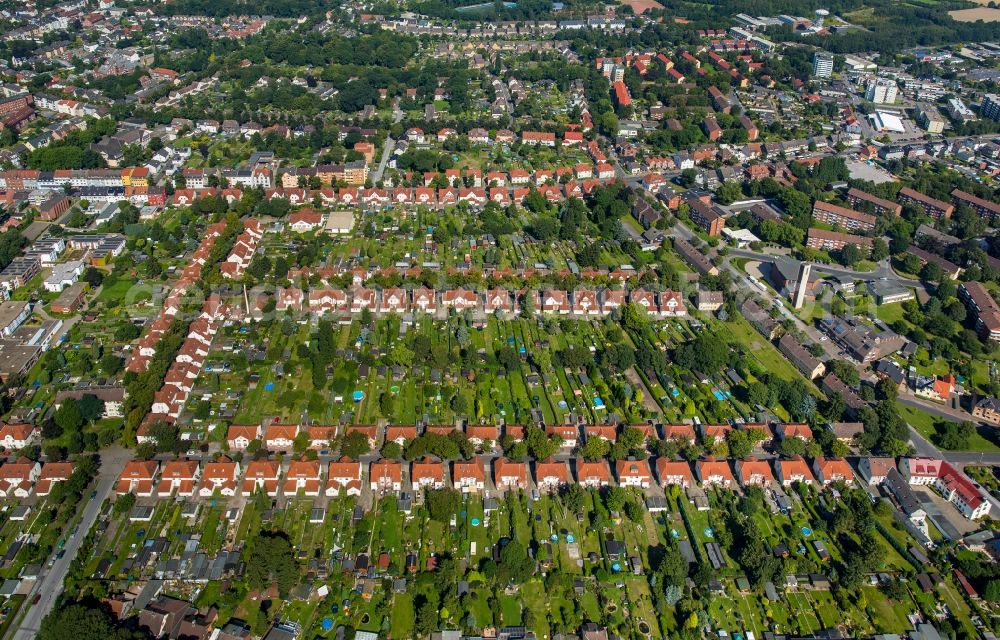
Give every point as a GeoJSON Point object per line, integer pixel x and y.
{"type": "Point", "coordinates": [390, 144]}
{"type": "Point", "coordinates": [50, 585]}
{"type": "Point", "coordinates": [502, 92]}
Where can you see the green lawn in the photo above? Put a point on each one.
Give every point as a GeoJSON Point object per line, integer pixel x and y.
{"type": "Point", "coordinates": [924, 423]}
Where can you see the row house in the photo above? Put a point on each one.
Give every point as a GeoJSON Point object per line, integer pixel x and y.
{"type": "Point", "coordinates": [551, 475]}
{"type": "Point", "coordinates": [386, 476]}
{"type": "Point", "coordinates": [262, 476]}
{"type": "Point", "coordinates": [220, 477]}
{"type": "Point", "coordinates": [510, 474]}
{"type": "Point", "coordinates": [18, 478]}
{"type": "Point", "coordinates": [52, 474]}
{"type": "Point", "coordinates": [16, 436]}
{"type": "Point", "coordinates": [593, 475]}
{"type": "Point", "coordinates": [427, 474]}
{"type": "Point", "coordinates": [344, 478]}
{"type": "Point", "coordinates": [468, 476]}
{"type": "Point", "coordinates": [180, 478]}
{"type": "Point", "coordinates": [280, 437]}
{"type": "Point", "coordinates": [948, 481]}
{"type": "Point", "coordinates": [302, 478]}
{"type": "Point", "coordinates": [634, 473]}
{"type": "Point", "coordinates": [138, 478]}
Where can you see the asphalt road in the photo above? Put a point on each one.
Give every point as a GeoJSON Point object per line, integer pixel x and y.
{"type": "Point", "coordinates": [390, 144]}
{"type": "Point", "coordinates": [50, 585]}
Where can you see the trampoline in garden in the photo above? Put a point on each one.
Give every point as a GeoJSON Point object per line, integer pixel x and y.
{"type": "Point", "coordinates": [806, 531]}
{"type": "Point", "coordinates": [394, 389]}
{"type": "Point", "coordinates": [675, 534]}
{"type": "Point", "coordinates": [570, 538]}
{"type": "Point", "coordinates": [675, 392]}
{"type": "Point", "coordinates": [358, 395]}
{"type": "Point", "coordinates": [616, 567]}
{"type": "Point", "coordinates": [474, 522]}
{"type": "Point", "coordinates": [709, 533]}
{"type": "Point", "coordinates": [554, 537]}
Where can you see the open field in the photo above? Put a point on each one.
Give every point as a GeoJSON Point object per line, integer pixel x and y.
{"type": "Point", "coordinates": [986, 14]}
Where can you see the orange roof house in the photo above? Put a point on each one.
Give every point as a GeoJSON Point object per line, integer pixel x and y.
{"type": "Point", "coordinates": [17, 435]}
{"type": "Point", "coordinates": [481, 433]}
{"type": "Point", "coordinates": [514, 431]}
{"type": "Point", "coordinates": [794, 430]}
{"type": "Point", "coordinates": [427, 474]}
{"type": "Point", "coordinates": [832, 469]}
{"type": "Point", "coordinates": [262, 475]}
{"type": "Point", "coordinates": [754, 472]}
{"type": "Point", "coordinates": [715, 473]}
{"type": "Point", "coordinates": [593, 474]}
{"type": "Point", "coordinates": [280, 437]}
{"type": "Point", "coordinates": [674, 472]}
{"type": "Point", "coordinates": [794, 470]}
{"type": "Point", "coordinates": [180, 477]}
{"type": "Point", "coordinates": [386, 475]}
{"type": "Point", "coordinates": [634, 473]}
{"type": "Point", "coordinates": [713, 434]}
{"type": "Point", "coordinates": [679, 432]}
{"type": "Point", "coordinates": [239, 436]}
{"type": "Point", "coordinates": [468, 476]}
{"type": "Point", "coordinates": [52, 473]}
{"type": "Point", "coordinates": [510, 474]}
{"type": "Point", "coordinates": [320, 435]}
{"type": "Point", "coordinates": [400, 433]}
{"type": "Point", "coordinates": [223, 476]}
{"type": "Point", "coordinates": [303, 477]}
{"type": "Point", "coordinates": [137, 478]}
{"type": "Point", "coordinates": [344, 476]}
{"type": "Point", "coordinates": [568, 432]}
{"type": "Point", "coordinates": [603, 431]}
{"type": "Point", "coordinates": [17, 478]}
{"type": "Point", "coordinates": [551, 474]}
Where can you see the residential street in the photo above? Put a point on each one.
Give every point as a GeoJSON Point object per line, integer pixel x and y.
{"type": "Point", "coordinates": [50, 585]}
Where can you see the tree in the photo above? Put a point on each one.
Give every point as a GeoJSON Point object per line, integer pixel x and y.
{"type": "Point", "coordinates": [730, 191]}
{"type": "Point", "coordinates": [111, 364]}
{"type": "Point", "coordinates": [741, 442]}
{"type": "Point", "coordinates": [68, 415]}
{"type": "Point", "coordinates": [953, 435]}
{"type": "Point", "coordinates": [355, 445]}
{"type": "Point", "coordinates": [850, 255]}
{"type": "Point", "coordinates": [91, 408]}
{"type": "Point", "coordinates": [84, 622]}
{"type": "Point", "coordinates": [442, 504]}
{"type": "Point", "coordinates": [515, 566]}
{"type": "Point", "coordinates": [992, 591]}
{"type": "Point", "coordinates": [595, 449]}
{"type": "Point", "coordinates": [427, 616]}
{"type": "Point", "coordinates": [271, 560]}
{"type": "Point", "coordinates": [392, 450]}
{"type": "Point", "coordinates": [573, 496]}
{"type": "Point", "coordinates": [879, 250]}
{"type": "Point", "coordinates": [614, 498]}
